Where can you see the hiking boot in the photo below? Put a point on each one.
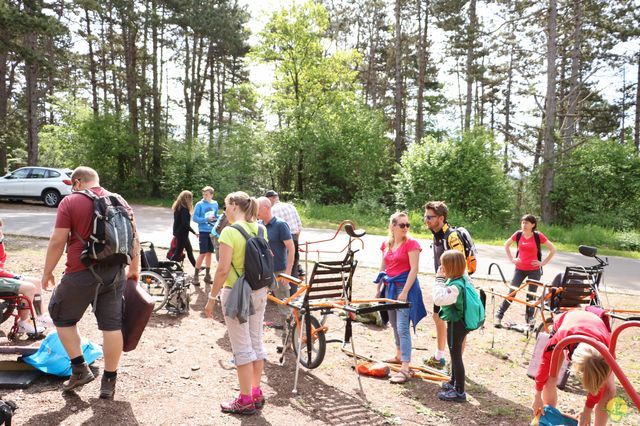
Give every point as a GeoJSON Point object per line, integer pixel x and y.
{"type": "Point", "coordinates": [108, 388]}
{"type": "Point", "coordinates": [435, 363]}
{"type": "Point", "coordinates": [239, 407]}
{"type": "Point", "coordinates": [207, 277]}
{"type": "Point", "coordinates": [452, 395]}
{"type": "Point", "coordinates": [80, 375]}
{"type": "Point", "coordinates": [26, 326]}
{"type": "Point", "coordinates": [195, 280]}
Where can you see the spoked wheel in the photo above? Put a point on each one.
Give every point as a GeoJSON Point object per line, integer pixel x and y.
{"type": "Point", "coordinates": [6, 309]}
{"type": "Point", "coordinates": [313, 358]}
{"type": "Point", "coordinates": [156, 286]}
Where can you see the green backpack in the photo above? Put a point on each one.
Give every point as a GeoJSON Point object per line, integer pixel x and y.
{"type": "Point", "coordinates": [472, 306]}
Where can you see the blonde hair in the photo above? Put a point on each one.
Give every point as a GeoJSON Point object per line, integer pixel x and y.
{"type": "Point", "coordinates": [454, 263]}
{"type": "Point", "coordinates": [589, 364]}
{"type": "Point", "coordinates": [85, 174]}
{"type": "Point", "coordinates": [248, 205]}
{"type": "Point", "coordinates": [208, 189]}
{"type": "Point", "coordinates": [185, 199]}
{"type": "Point", "coordinates": [1, 222]}
{"type": "Point", "coordinates": [393, 219]}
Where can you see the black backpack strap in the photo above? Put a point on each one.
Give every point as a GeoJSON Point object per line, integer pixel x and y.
{"type": "Point", "coordinates": [536, 235]}
{"type": "Point", "coordinates": [518, 236]}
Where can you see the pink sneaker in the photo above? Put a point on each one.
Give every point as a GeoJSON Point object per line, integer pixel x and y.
{"type": "Point", "coordinates": [239, 406]}
{"type": "Point", "coordinates": [258, 401]}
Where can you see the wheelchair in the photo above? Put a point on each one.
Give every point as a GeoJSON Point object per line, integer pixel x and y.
{"type": "Point", "coordinates": [10, 304]}
{"type": "Point", "coordinates": [164, 280]}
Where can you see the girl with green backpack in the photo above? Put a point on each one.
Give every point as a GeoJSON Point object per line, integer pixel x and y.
{"type": "Point", "coordinates": [462, 309]}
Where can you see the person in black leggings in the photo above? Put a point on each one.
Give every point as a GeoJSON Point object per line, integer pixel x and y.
{"type": "Point", "coordinates": [182, 209]}
{"type": "Point", "coordinates": [448, 293]}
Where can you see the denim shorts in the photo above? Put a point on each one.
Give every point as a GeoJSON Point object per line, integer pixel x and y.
{"type": "Point", "coordinates": [206, 245]}
{"type": "Point", "coordinates": [77, 291]}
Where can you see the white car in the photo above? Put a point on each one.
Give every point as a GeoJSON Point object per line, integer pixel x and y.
{"type": "Point", "coordinates": [36, 183]}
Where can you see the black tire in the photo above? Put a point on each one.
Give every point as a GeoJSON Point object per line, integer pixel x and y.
{"type": "Point", "coordinates": [540, 328]}
{"type": "Point", "coordinates": [157, 288]}
{"type": "Point", "coordinates": [51, 198]}
{"type": "Point", "coordinates": [6, 309]}
{"type": "Point", "coordinates": [318, 348]}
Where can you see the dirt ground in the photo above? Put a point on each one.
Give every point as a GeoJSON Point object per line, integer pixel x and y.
{"type": "Point", "coordinates": [180, 372]}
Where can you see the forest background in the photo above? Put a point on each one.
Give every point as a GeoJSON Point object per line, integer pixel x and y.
{"type": "Point", "coordinates": [352, 108]}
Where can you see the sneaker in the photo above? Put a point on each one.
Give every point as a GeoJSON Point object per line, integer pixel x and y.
{"type": "Point", "coordinates": [435, 363]}
{"type": "Point", "coordinates": [195, 282]}
{"type": "Point", "coordinates": [26, 326]}
{"type": "Point", "coordinates": [497, 322]}
{"type": "Point", "coordinates": [452, 395]}
{"type": "Point", "coordinates": [447, 386]}
{"type": "Point", "coordinates": [45, 321]}
{"type": "Point", "coordinates": [258, 401]}
{"type": "Point", "coordinates": [237, 407]}
{"type": "Point", "coordinates": [80, 375]}
{"type": "Point", "coordinates": [207, 279]}
{"type": "Point", "coordinates": [108, 388]}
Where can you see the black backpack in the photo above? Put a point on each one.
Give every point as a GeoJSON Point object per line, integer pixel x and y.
{"type": "Point", "coordinates": [111, 239]}
{"type": "Point", "coordinates": [258, 259]}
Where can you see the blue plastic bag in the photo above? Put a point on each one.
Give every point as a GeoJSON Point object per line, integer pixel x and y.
{"type": "Point", "coordinates": [553, 417]}
{"type": "Point", "coordinates": [52, 358]}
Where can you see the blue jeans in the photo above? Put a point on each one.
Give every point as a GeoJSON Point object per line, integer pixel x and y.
{"type": "Point", "coordinates": [399, 319]}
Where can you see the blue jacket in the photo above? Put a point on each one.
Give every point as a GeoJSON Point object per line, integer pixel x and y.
{"type": "Point", "coordinates": [392, 288]}
{"type": "Point", "coordinates": [200, 215]}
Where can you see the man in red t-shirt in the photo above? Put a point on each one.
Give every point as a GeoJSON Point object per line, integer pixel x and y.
{"type": "Point", "coordinates": [79, 288]}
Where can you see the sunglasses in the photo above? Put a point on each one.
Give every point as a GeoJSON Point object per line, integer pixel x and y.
{"type": "Point", "coordinates": [429, 217]}
{"type": "Point", "coordinates": [404, 225]}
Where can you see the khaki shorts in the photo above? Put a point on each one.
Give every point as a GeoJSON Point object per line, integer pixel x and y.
{"type": "Point", "coordinates": [77, 291]}
{"type": "Point", "coordinates": [9, 285]}
{"type": "Point", "coordinates": [246, 338]}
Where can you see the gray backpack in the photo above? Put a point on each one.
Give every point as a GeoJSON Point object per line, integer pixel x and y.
{"type": "Point", "coordinates": [111, 239]}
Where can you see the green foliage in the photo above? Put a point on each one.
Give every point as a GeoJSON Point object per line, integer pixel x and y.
{"type": "Point", "coordinates": [465, 173]}
{"type": "Point", "coordinates": [599, 184]}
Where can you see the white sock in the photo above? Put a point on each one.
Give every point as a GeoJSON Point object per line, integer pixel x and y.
{"type": "Point", "coordinates": [439, 354]}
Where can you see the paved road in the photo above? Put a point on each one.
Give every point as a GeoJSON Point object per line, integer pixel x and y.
{"type": "Point", "coordinates": [155, 225]}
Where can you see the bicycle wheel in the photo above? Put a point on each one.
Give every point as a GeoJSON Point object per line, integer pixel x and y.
{"type": "Point", "coordinates": [156, 286]}
{"type": "Point", "coordinates": [309, 359]}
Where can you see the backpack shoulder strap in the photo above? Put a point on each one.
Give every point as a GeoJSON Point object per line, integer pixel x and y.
{"type": "Point", "coordinates": [536, 235]}
{"type": "Point", "coordinates": [518, 236]}
{"type": "Point", "coordinates": [242, 231]}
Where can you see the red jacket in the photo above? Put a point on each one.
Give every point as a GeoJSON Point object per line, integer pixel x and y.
{"type": "Point", "coordinates": [572, 323]}
{"type": "Point", "coordinates": [3, 258]}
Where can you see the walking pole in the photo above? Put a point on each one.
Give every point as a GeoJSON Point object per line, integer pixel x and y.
{"type": "Point", "coordinates": [493, 308]}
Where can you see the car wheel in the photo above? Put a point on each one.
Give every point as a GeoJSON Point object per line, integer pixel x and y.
{"type": "Point", "coordinates": [51, 198]}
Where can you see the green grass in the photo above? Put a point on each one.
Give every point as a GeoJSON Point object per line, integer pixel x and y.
{"type": "Point", "coordinates": [375, 219]}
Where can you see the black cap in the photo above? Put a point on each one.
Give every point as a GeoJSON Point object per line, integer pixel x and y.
{"type": "Point", "coordinates": [271, 193]}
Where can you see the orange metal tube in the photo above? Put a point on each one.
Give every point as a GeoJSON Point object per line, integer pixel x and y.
{"type": "Point", "coordinates": [616, 334]}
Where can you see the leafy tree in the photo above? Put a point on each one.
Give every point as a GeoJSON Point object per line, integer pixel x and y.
{"type": "Point", "coordinates": [465, 172]}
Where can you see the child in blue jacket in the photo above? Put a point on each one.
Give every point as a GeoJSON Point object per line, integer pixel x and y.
{"type": "Point", "coordinates": [205, 215]}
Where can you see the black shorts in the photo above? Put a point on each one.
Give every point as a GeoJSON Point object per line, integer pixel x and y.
{"type": "Point", "coordinates": [436, 309]}
{"type": "Point", "coordinates": [77, 291]}
{"type": "Point", "coordinates": [206, 244]}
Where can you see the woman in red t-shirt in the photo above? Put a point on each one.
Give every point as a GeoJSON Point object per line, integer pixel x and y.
{"type": "Point", "coordinates": [528, 262]}
{"type": "Point", "coordinates": [398, 280]}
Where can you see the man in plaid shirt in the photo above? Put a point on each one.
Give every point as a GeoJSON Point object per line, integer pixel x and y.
{"type": "Point", "coordinates": [289, 214]}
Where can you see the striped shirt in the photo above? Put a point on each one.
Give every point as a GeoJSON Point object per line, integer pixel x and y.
{"type": "Point", "coordinates": [289, 214]}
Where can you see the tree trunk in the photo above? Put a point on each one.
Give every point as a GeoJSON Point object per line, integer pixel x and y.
{"type": "Point", "coordinates": [548, 155]}
{"type": "Point", "coordinates": [212, 102]}
{"type": "Point", "coordinates": [399, 137]}
{"type": "Point", "coordinates": [92, 64]}
{"type": "Point", "coordinates": [4, 107]}
{"type": "Point", "coordinates": [103, 64]}
{"type": "Point", "coordinates": [568, 128]}
{"type": "Point", "coordinates": [188, 119]}
{"type": "Point", "coordinates": [507, 112]}
{"type": "Point", "coordinates": [636, 131]}
{"type": "Point", "coordinates": [114, 72]}
{"type": "Point", "coordinates": [471, 39]}
{"type": "Point", "coordinates": [32, 97]}
{"type": "Point", "coordinates": [422, 64]}
{"type": "Point", "coordinates": [156, 163]}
